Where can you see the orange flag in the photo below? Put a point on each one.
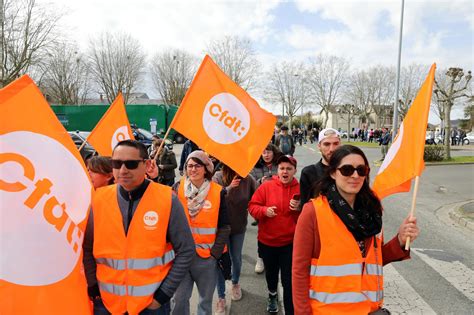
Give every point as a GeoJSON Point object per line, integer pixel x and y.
{"type": "Point", "coordinates": [222, 119]}
{"type": "Point", "coordinates": [404, 159]}
{"type": "Point", "coordinates": [45, 194]}
{"type": "Point", "coordinates": [112, 128]}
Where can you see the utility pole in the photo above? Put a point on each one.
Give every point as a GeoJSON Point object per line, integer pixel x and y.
{"type": "Point", "coordinates": [397, 86]}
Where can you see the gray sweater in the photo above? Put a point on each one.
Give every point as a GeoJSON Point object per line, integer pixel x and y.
{"type": "Point", "coordinates": [178, 234]}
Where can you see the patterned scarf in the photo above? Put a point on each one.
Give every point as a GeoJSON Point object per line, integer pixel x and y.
{"type": "Point", "coordinates": [195, 196]}
{"type": "Point", "coordinates": [361, 222]}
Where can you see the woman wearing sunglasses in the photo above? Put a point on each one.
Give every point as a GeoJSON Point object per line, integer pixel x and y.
{"type": "Point", "coordinates": [339, 251]}
{"type": "Point", "coordinates": [205, 207]}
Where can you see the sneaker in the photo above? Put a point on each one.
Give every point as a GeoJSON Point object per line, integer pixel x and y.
{"type": "Point", "coordinates": [272, 306]}
{"type": "Point", "coordinates": [259, 266]}
{"type": "Point", "coordinates": [236, 292]}
{"type": "Point", "coordinates": [220, 307]}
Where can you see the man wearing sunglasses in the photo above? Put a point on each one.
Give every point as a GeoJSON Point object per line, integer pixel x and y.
{"type": "Point", "coordinates": [328, 141]}
{"type": "Point", "coordinates": [138, 245]}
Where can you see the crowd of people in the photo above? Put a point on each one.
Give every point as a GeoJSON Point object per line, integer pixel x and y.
{"type": "Point", "coordinates": [150, 240]}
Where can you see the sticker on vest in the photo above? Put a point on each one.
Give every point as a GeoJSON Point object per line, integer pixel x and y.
{"type": "Point", "coordinates": [207, 205]}
{"type": "Point", "coordinates": [151, 219]}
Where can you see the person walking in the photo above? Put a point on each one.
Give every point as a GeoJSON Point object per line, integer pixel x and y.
{"type": "Point", "coordinates": [285, 142]}
{"type": "Point", "coordinates": [275, 204]}
{"type": "Point", "coordinates": [329, 140]}
{"type": "Point", "coordinates": [205, 208]}
{"type": "Point", "coordinates": [339, 250]}
{"type": "Point", "coordinates": [239, 192]}
{"type": "Point", "coordinates": [265, 168]}
{"type": "Point", "coordinates": [188, 147]}
{"type": "Point", "coordinates": [165, 162]}
{"type": "Point", "coordinates": [384, 142]}
{"type": "Point", "coordinates": [137, 245]}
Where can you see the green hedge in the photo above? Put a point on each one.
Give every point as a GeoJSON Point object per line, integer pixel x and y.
{"type": "Point", "coordinates": [433, 153]}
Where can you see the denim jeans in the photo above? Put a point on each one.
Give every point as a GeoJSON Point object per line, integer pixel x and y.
{"type": "Point", "coordinates": [236, 242]}
{"type": "Point", "coordinates": [99, 309]}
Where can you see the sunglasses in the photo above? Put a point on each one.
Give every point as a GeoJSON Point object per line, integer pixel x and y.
{"type": "Point", "coordinates": [348, 170]}
{"type": "Point", "coordinates": [129, 164]}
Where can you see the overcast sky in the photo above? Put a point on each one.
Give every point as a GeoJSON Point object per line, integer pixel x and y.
{"type": "Point", "coordinates": [365, 32]}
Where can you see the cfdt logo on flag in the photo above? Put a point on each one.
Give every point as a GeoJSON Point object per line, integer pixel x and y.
{"type": "Point", "coordinates": [119, 135]}
{"type": "Point", "coordinates": [42, 211]}
{"type": "Point", "coordinates": [225, 119]}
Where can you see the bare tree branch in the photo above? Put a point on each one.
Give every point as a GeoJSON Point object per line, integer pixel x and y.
{"type": "Point", "coordinates": [172, 72]}
{"type": "Point", "coordinates": [27, 32]}
{"type": "Point", "coordinates": [237, 58]}
{"type": "Point", "coordinates": [116, 64]}
{"type": "Point", "coordinates": [326, 77]}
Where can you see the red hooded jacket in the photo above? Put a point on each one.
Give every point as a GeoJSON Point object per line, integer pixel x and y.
{"type": "Point", "coordinates": [279, 230]}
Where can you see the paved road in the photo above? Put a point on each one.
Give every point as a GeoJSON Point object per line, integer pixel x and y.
{"type": "Point", "coordinates": [439, 279]}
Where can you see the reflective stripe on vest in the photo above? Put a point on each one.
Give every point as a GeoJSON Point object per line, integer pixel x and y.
{"type": "Point", "coordinates": [346, 297]}
{"type": "Point", "coordinates": [203, 231]}
{"type": "Point", "coordinates": [204, 245]}
{"type": "Point", "coordinates": [133, 290]}
{"type": "Point", "coordinates": [346, 270]}
{"type": "Point", "coordinates": [137, 264]}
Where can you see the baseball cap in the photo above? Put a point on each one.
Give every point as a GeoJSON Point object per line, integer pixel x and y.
{"type": "Point", "coordinates": [328, 132]}
{"type": "Point", "coordinates": [288, 159]}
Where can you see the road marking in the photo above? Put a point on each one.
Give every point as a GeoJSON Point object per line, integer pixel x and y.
{"type": "Point", "coordinates": [399, 295]}
{"type": "Point", "coordinates": [450, 268]}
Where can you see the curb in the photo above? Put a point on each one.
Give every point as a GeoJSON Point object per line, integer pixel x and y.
{"type": "Point", "coordinates": [443, 164]}
{"type": "Point", "coordinates": [455, 213]}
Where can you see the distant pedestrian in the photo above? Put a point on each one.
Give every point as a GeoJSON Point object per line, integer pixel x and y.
{"type": "Point", "coordinates": [166, 163]}
{"type": "Point", "coordinates": [285, 142]}
{"type": "Point", "coordinates": [384, 142]}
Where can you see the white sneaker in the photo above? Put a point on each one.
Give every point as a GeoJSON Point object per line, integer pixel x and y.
{"type": "Point", "coordinates": [220, 307]}
{"type": "Point", "coordinates": [236, 292]}
{"type": "Point", "coordinates": [259, 266]}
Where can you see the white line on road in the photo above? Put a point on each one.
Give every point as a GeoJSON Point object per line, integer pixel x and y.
{"type": "Point", "coordinates": [459, 275]}
{"type": "Point", "coordinates": [399, 295]}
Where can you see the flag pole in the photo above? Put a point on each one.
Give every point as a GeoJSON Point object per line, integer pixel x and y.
{"type": "Point", "coordinates": [395, 105]}
{"type": "Point", "coordinates": [412, 211]}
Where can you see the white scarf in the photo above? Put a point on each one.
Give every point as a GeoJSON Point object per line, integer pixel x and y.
{"type": "Point", "coordinates": [195, 196]}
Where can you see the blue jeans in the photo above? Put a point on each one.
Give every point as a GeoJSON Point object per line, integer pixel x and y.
{"type": "Point", "coordinates": [236, 242]}
{"type": "Point", "coordinates": [99, 309]}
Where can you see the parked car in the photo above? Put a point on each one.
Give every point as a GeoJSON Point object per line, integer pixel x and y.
{"type": "Point", "coordinates": [468, 138]}
{"type": "Point", "coordinates": [145, 137]}
{"type": "Point", "coordinates": [79, 137]}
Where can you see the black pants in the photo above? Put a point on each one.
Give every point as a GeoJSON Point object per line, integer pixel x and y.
{"type": "Point", "coordinates": [276, 260]}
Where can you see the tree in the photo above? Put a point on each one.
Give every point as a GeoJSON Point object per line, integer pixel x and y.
{"type": "Point", "coordinates": [116, 64]}
{"type": "Point", "coordinates": [288, 87]}
{"type": "Point", "coordinates": [172, 72]}
{"type": "Point", "coordinates": [453, 88]}
{"type": "Point", "coordinates": [326, 78]}
{"type": "Point", "coordinates": [352, 111]}
{"type": "Point", "coordinates": [359, 93]}
{"type": "Point", "coordinates": [381, 87]}
{"type": "Point", "coordinates": [27, 31]}
{"type": "Point", "coordinates": [66, 75]}
{"type": "Point", "coordinates": [237, 58]}
{"type": "Point", "coordinates": [411, 79]}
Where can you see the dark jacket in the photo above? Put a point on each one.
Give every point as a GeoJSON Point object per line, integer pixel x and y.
{"type": "Point", "coordinates": [188, 147]}
{"type": "Point", "coordinates": [292, 144]}
{"type": "Point", "coordinates": [237, 200]}
{"type": "Point", "coordinates": [309, 176]}
{"type": "Point", "coordinates": [166, 162]}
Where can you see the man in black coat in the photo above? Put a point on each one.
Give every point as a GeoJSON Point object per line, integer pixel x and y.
{"type": "Point", "coordinates": [328, 141]}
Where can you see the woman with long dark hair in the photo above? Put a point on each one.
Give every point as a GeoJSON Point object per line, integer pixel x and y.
{"type": "Point", "coordinates": [339, 251]}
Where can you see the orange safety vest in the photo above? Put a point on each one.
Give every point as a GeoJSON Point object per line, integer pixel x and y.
{"type": "Point", "coordinates": [341, 280]}
{"type": "Point", "coordinates": [204, 224]}
{"type": "Point", "coordinates": [130, 268]}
